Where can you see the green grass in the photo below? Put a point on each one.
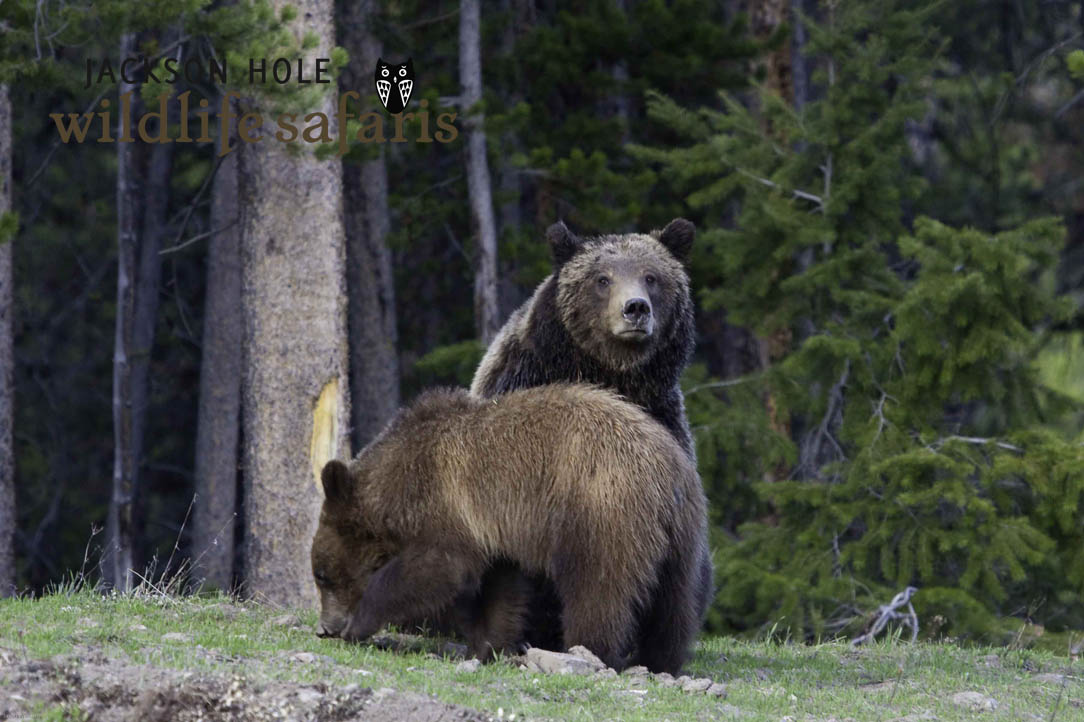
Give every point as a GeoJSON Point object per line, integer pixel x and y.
{"type": "Point", "coordinates": [767, 680]}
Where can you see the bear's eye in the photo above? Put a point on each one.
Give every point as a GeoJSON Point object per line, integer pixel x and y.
{"type": "Point", "coordinates": [603, 281]}
{"type": "Point", "coordinates": [650, 279]}
{"type": "Point", "coordinates": [322, 579]}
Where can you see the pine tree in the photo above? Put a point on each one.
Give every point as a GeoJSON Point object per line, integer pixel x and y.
{"type": "Point", "coordinates": [915, 452]}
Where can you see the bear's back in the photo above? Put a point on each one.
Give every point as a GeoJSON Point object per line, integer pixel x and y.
{"type": "Point", "coordinates": [526, 467]}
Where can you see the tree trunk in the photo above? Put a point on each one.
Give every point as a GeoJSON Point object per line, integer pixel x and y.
{"type": "Point", "coordinates": [7, 363]}
{"type": "Point", "coordinates": [218, 428]}
{"type": "Point", "coordinates": [142, 217]}
{"type": "Point", "coordinates": [374, 359]}
{"type": "Point", "coordinates": [765, 18]}
{"type": "Point", "coordinates": [486, 317]}
{"type": "Point", "coordinates": [799, 62]}
{"type": "Point", "coordinates": [154, 197]}
{"type": "Point", "coordinates": [117, 560]}
{"type": "Point", "coordinates": [621, 103]}
{"type": "Point", "coordinates": [295, 390]}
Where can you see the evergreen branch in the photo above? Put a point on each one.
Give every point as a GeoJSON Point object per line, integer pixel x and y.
{"type": "Point", "coordinates": [796, 193]}
{"type": "Point", "coordinates": [724, 384]}
{"type": "Point", "coordinates": [812, 447]}
{"type": "Point", "coordinates": [978, 440]}
{"type": "Point", "coordinates": [429, 21]}
{"type": "Point", "coordinates": [57, 143]}
{"type": "Point", "coordinates": [177, 245]}
{"type": "Point", "coordinates": [1069, 104]}
{"type": "Point", "coordinates": [197, 237]}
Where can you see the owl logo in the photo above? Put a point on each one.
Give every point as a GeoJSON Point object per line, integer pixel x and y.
{"type": "Point", "coordinates": [394, 84]}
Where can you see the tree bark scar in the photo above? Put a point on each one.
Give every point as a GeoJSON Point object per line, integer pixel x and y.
{"type": "Point", "coordinates": [325, 429]}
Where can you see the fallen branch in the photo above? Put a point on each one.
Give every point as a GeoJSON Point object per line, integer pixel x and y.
{"type": "Point", "coordinates": [887, 613]}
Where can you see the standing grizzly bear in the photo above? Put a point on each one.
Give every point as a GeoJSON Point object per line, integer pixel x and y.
{"type": "Point", "coordinates": [616, 312]}
{"type": "Point", "coordinates": [562, 480]}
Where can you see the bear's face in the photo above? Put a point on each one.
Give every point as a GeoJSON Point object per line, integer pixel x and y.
{"type": "Point", "coordinates": [618, 295]}
{"type": "Point", "coordinates": [345, 552]}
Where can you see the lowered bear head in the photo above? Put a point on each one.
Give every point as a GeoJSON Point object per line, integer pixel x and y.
{"type": "Point", "coordinates": [619, 295]}
{"type": "Point", "coordinates": [345, 550]}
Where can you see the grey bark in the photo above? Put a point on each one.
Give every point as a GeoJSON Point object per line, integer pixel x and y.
{"type": "Point", "coordinates": [7, 364]}
{"type": "Point", "coordinates": [799, 62]}
{"type": "Point", "coordinates": [374, 360]}
{"type": "Point", "coordinates": [295, 388]}
{"type": "Point", "coordinates": [117, 560]}
{"type": "Point", "coordinates": [142, 217]}
{"type": "Point", "coordinates": [620, 72]}
{"type": "Point", "coordinates": [218, 426]}
{"type": "Point", "coordinates": [479, 188]}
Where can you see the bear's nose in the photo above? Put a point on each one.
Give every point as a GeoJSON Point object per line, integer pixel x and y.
{"type": "Point", "coordinates": [637, 309]}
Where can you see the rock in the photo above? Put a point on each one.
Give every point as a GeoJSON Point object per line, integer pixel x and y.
{"type": "Point", "coordinates": [1049, 678]}
{"type": "Point", "coordinates": [666, 679]}
{"type": "Point", "coordinates": [637, 671]}
{"type": "Point", "coordinates": [680, 681]}
{"type": "Point", "coordinates": [547, 662]}
{"type": "Point", "coordinates": [976, 701]}
{"type": "Point", "coordinates": [586, 655]}
{"type": "Point", "coordinates": [992, 660]}
{"type": "Point", "coordinates": [468, 665]}
{"type": "Point", "coordinates": [307, 696]}
{"type": "Point", "coordinates": [606, 673]}
{"type": "Point", "coordinates": [717, 689]}
{"type": "Point", "coordinates": [286, 620]}
{"type": "Point", "coordinates": [137, 628]}
{"type": "Point", "coordinates": [309, 658]}
{"type": "Point", "coordinates": [696, 685]}
{"type": "Point", "coordinates": [455, 650]}
{"type": "Point", "coordinates": [176, 637]}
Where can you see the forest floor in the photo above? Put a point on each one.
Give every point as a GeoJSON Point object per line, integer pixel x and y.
{"type": "Point", "coordinates": [87, 656]}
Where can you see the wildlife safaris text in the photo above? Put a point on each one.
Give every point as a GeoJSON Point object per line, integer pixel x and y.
{"type": "Point", "coordinates": [315, 127]}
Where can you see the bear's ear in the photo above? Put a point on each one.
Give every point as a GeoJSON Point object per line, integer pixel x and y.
{"type": "Point", "coordinates": [563, 243]}
{"type": "Point", "coordinates": [336, 481]}
{"type": "Point", "coordinates": [678, 237]}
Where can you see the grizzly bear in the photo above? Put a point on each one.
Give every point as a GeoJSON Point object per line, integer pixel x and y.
{"type": "Point", "coordinates": [615, 312]}
{"type": "Point", "coordinates": [568, 481]}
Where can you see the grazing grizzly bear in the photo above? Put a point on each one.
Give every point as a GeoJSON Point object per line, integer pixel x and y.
{"type": "Point", "coordinates": [563, 480]}
{"type": "Point", "coordinates": [616, 312]}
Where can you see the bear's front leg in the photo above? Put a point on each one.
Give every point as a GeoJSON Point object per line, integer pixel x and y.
{"type": "Point", "coordinates": [417, 582]}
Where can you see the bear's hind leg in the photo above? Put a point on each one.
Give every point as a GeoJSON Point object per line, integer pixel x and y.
{"type": "Point", "coordinates": [669, 625]}
{"type": "Point", "coordinates": [600, 619]}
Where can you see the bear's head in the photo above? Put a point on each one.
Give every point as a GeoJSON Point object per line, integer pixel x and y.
{"type": "Point", "coordinates": [621, 296]}
{"type": "Point", "coordinates": [346, 549]}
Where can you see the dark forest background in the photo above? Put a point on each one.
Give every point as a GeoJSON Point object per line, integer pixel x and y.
{"type": "Point", "coordinates": [889, 271]}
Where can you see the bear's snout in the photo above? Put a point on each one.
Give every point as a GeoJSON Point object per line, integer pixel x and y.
{"type": "Point", "coordinates": [637, 310]}
{"type": "Point", "coordinates": [632, 318]}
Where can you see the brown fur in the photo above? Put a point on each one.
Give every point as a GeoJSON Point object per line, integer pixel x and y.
{"type": "Point", "coordinates": [562, 480]}
{"type": "Point", "coordinates": [575, 329]}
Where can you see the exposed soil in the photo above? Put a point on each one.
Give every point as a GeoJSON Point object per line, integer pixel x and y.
{"type": "Point", "coordinates": [92, 686]}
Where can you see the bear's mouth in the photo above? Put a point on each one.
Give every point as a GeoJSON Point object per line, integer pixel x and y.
{"type": "Point", "coordinates": [633, 333]}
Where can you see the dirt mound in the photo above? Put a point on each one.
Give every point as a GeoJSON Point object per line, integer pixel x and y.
{"type": "Point", "coordinates": [88, 685]}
